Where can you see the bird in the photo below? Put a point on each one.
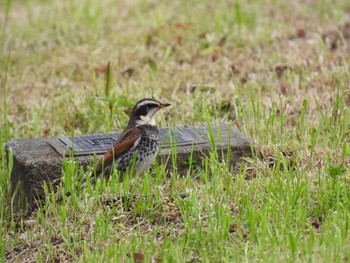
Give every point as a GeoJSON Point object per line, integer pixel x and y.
{"type": "Point", "coordinates": [135, 148]}
{"type": "Point", "coordinates": [137, 145]}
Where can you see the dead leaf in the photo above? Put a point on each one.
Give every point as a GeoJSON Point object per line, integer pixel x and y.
{"type": "Point", "coordinates": [233, 228]}
{"type": "Point", "coordinates": [182, 26]}
{"type": "Point", "coordinates": [46, 132]}
{"type": "Point", "coordinates": [284, 88]}
{"type": "Point", "coordinates": [215, 56]}
{"type": "Point", "coordinates": [139, 258]}
{"type": "Point", "coordinates": [331, 38]}
{"type": "Point", "coordinates": [128, 111]}
{"type": "Point", "coordinates": [315, 224]}
{"type": "Point", "coordinates": [29, 223]}
{"type": "Point", "coordinates": [301, 33]}
{"type": "Point", "coordinates": [222, 41]}
{"type": "Point", "coordinates": [280, 69]}
{"type": "Point", "coordinates": [202, 35]}
{"type": "Point", "coordinates": [177, 40]}
{"type": "Point", "coordinates": [150, 39]}
{"type": "Point", "coordinates": [234, 69]}
{"type": "Point", "coordinates": [128, 72]}
{"type": "Point", "coordinates": [100, 70]}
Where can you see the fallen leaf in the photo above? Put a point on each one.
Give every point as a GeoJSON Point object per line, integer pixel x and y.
{"type": "Point", "coordinates": [128, 72]}
{"type": "Point", "coordinates": [280, 69]}
{"type": "Point", "coordinates": [283, 88]}
{"type": "Point", "coordinates": [182, 26]}
{"type": "Point", "coordinates": [301, 33]}
{"type": "Point", "coordinates": [202, 35]}
{"type": "Point", "coordinates": [139, 258]}
{"type": "Point", "coordinates": [215, 56]}
{"type": "Point", "coordinates": [233, 228]}
{"type": "Point", "coordinates": [315, 224]}
{"type": "Point", "coordinates": [234, 69]}
{"type": "Point", "coordinates": [46, 132]}
{"type": "Point", "coordinates": [177, 40]}
{"type": "Point", "coordinates": [222, 41]}
{"type": "Point", "coordinates": [29, 223]}
{"type": "Point", "coordinates": [100, 70]}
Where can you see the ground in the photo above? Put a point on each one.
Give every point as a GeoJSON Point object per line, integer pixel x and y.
{"type": "Point", "coordinates": [276, 70]}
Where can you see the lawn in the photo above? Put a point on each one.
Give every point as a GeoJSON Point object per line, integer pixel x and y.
{"type": "Point", "coordinates": [279, 71]}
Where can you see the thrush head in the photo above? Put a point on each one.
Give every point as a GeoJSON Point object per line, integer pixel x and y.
{"type": "Point", "coordinates": [144, 111]}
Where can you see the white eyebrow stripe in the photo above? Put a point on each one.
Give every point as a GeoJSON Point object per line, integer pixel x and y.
{"type": "Point", "coordinates": [146, 102]}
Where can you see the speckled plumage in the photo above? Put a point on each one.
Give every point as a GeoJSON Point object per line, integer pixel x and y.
{"type": "Point", "coordinates": [138, 144]}
{"type": "Point", "coordinates": [141, 155]}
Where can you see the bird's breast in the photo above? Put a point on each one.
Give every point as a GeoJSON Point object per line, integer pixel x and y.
{"type": "Point", "coordinates": [147, 150]}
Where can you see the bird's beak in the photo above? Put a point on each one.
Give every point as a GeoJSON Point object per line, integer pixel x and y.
{"type": "Point", "coordinates": [163, 105]}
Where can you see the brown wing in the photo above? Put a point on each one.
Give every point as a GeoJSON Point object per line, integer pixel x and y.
{"type": "Point", "coordinates": [125, 142]}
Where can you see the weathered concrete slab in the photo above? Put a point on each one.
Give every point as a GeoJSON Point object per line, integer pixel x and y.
{"type": "Point", "coordinates": [40, 160]}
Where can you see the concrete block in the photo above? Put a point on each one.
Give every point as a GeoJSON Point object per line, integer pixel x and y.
{"type": "Point", "coordinates": [40, 160]}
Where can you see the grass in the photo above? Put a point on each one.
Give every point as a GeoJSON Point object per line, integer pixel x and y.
{"type": "Point", "coordinates": [76, 67]}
